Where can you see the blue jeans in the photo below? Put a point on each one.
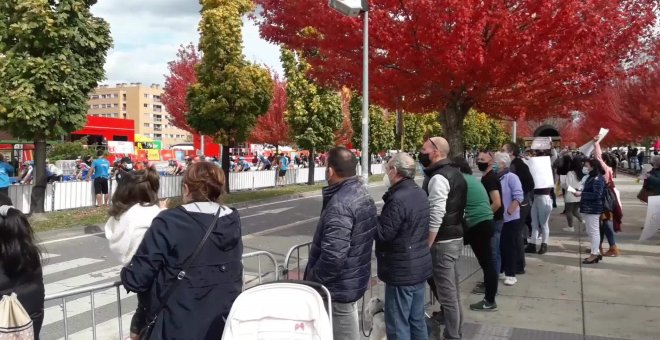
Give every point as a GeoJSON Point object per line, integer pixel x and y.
{"type": "Point", "coordinates": [495, 246]}
{"type": "Point", "coordinates": [404, 312]}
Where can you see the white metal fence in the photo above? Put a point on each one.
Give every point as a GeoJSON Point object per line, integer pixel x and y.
{"type": "Point", "coordinates": [80, 194]}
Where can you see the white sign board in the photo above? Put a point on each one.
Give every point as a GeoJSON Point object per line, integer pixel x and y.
{"type": "Point", "coordinates": [652, 218]}
{"type": "Point", "coordinates": [121, 147]}
{"type": "Point", "coordinates": [541, 169]}
{"type": "Point", "coordinates": [542, 143]}
{"type": "Point", "coordinates": [588, 148]}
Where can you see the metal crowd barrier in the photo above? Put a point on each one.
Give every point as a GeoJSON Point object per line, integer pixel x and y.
{"type": "Point", "coordinates": [259, 276]}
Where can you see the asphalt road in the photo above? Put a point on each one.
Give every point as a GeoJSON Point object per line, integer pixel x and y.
{"type": "Point", "coordinates": [80, 257]}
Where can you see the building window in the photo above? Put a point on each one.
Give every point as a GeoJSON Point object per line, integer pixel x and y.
{"type": "Point", "coordinates": [115, 95]}
{"type": "Point", "coordinates": [146, 125]}
{"type": "Point", "coordinates": [146, 105]}
{"type": "Point", "coordinates": [146, 95]}
{"type": "Point", "coordinates": [115, 105]}
{"type": "Point", "coordinates": [123, 95]}
{"type": "Point", "coordinates": [158, 136]}
{"type": "Point", "coordinates": [115, 115]}
{"type": "Point", "coordinates": [95, 106]}
{"type": "Point", "coordinates": [94, 96]}
{"type": "Point", "coordinates": [123, 107]}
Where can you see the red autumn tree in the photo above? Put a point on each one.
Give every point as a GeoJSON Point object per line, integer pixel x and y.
{"type": "Point", "coordinates": [272, 128]}
{"type": "Point", "coordinates": [511, 59]}
{"type": "Point", "coordinates": [182, 76]}
{"type": "Point", "coordinates": [344, 135]}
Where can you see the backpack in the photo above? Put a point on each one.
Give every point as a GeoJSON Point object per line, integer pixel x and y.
{"type": "Point", "coordinates": [15, 322]}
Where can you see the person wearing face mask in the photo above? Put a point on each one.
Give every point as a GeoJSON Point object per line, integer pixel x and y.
{"type": "Point", "coordinates": [591, 205]}
{"type": "Point", "coordinates": [340, 254]}
{"type": "Point", "coordinates": [491, 182]}
{"type": "Point", "coordinates": [402, 252]}
{"type": "Point", "coordinates": [447, 191]}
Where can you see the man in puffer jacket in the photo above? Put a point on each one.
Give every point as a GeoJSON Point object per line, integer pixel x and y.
{"type": "Point", "coordinates": [340, 256]}
{"type": "Point", "coordinates": [404, 257]}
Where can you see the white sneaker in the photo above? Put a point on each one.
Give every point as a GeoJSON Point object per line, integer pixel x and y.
{"type": "Point", "coordinates": [569, 229]}
{"type": "Point", "coordinates": [510, 281]}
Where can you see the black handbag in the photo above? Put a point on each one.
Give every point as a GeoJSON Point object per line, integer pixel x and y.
{"type": "Point", "coordinates": [145, 333]}
{"type": "Point", "coordinates": [608, 200]}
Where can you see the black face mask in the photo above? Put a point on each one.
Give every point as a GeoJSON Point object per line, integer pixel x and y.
{"type": "Point", "coordinates": [482, 166]}
{"type": "Point", "coordinates": [424, 159]}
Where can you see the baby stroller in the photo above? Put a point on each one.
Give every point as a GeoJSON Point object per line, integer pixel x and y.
{"type": "Point", "coordinates": [283, 310]}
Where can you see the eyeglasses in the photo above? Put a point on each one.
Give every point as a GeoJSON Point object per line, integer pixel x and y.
{"type": "Point", "coordinates": [435, 146]}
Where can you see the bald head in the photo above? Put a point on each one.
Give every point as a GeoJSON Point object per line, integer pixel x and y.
{"type": "Point", "coordinates": [436, 148]}
{"type": "Point", "coordinates": [441, 144]}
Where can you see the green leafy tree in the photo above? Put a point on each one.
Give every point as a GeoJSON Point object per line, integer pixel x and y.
{"type": "Point", "coordinates": [51, 57]}
{"type": "Point", "coordinates": [381, 127]}
{"type": "Point", "coordinates": [230, 93]}
{"type": "Point", "coordinates": [313, 113]}
{"type": "Point", "coordinates": [419, 127]}
{"type": "Point", "coordinates": [482, 132]}
{"type": "Point", "coordinates": [70, 150]}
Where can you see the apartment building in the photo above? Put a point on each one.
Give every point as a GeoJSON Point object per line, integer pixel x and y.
{"type": "Point", "coordinates": [140, 103]}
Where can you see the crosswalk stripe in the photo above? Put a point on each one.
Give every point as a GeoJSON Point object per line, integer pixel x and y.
{"type": "Point", "coordinates": [106, 330]}
{"type": "Point", "coordinates": [67, 265]}
{"type": "Point", "coordinates": [83, 305]}
{"type": "Point", "coordinates": [46, 256]}
{"type": "Point", "coordinates": [83, 280]}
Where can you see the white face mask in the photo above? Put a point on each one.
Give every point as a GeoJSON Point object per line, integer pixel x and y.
{"type": "Point", "coordinates": [386, 181]}
{"type": "Point", "coordinates": [585, 170]}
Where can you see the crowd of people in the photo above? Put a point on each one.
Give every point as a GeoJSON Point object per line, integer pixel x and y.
{"type": "Point", "coordinates": [189, 258]}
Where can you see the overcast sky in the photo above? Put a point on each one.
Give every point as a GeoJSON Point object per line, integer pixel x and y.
{"type": "Point", "coordinates": [148, 33]}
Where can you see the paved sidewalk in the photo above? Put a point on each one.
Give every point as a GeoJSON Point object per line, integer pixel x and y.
{"type": "Point", "coordinates": [560, 298]}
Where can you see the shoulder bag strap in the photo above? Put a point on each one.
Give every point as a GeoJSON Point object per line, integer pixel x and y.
{"type": "Point", "coordinates": [186, 266]}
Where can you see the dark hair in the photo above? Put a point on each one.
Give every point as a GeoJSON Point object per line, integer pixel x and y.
{"type": "Point", "coordinates": [18, 252]}
{"type": "Point", "coordinates": [513, 148]}
{"type": "Point", "coordinates": [137, 187]}
{"type": "Point", "coordinates": [576, 166]}
{"type": "Point", "coordinates": [205, 181]}
{"type": "Point", "coordinates": [343, 162]}
{"type": "Point", "coordinates": [461, 164]}
{"type": "Point", "coordinates": [100, 153]}
{"type": "Point", "coordinates": [597, 169]}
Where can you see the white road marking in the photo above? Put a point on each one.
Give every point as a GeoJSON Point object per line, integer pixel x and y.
{"type": "Point", "coordinates": [106, 330]}
{"type": "Point", "coordinates": [67, 265]}
{"type": "Point", "coordinates": [47, 256]}
{"type": "Point", "coordinates": [83, 280]}
{"type": "Point", "coordinates": [70, 238]}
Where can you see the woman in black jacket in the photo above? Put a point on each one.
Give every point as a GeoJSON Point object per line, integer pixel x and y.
{"type": "Point", "coordinates": [198, 308]}
{"type": "Point", "coordinates": [20, 272]}
{"type": "Point", "coordinates": [591, 205]}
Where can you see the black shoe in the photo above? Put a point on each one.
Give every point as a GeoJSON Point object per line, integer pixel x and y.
{"type": "Point", "coordinates": [594, 260]}
{"type": "Point", "coordinates": [530, 249]}
{"type": "Point", "coordinates": [544, 249]}
{"type": "Point", "coordinates": [520, 272]}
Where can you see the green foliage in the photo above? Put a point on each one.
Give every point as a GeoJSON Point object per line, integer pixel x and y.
{"type": "Point", "coordinates": [71, 150]}
{"type": "Point", "coordinates": [313, 113]}
{"type": "Point", "coordinates": [230, 93]}
{"type": "Point", "coordinates": [482, 132]}
{"type": "Point", "coordinates": [51, 57]}
{"type": "Point", "coordinates": [419, 127]}
{"type": "Point", "coordinates": [381, 126]}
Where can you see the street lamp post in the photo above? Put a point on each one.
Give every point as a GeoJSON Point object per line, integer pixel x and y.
{"type": "Point", "coordinates": [354, 8]}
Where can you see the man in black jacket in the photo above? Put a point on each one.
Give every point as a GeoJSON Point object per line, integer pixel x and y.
{"type": "Point", "coordinates": [447, 192]}
{"type": "Point", "coordinates": [340, 255]}
{"type": "Point", "coordinates": [404, 259]}
{"type": "Point", "coordinates": [520, 169]}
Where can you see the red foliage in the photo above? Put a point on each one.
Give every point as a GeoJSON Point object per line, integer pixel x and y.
{"type": "Point", "coordinates": [344, 135]}
{"type": "Point", "coordinates": [182, 76]}
{"type": "Point", "coordinates": [506, 58]}
{"type": "Point", "coordinates": [272, 127]}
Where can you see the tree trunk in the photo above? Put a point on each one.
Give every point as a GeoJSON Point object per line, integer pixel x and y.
{"type": "Point", "coordinates": [312, 167]}
{"type": "Point", "coordinates": [452, 118]}
{"type": "Point", "coordinates": [225, 165]}
{"type": "Point", "coordinates": [38, 197]}
{"type": "Point", "coordinates": [277, 150]}
{"type": "Point", "coordinates": [369, 162]}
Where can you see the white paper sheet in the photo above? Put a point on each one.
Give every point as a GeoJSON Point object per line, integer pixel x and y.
{"type": "Point", "coordinates": [652, 218]}
{"type": "Point", "coordinates": [541, 169]}
{"type": "Point", "coordinates": [588, 148]}
{"type": "Point", "coordinates": [571, 189]}
{"type": "Point", "coordinates": [541, 143]}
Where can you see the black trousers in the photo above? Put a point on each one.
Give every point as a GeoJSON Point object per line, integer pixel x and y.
{"type": "Point", "coordinates": [509, 246]}
{"type": "Point", "coordinates": [479, 236]}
